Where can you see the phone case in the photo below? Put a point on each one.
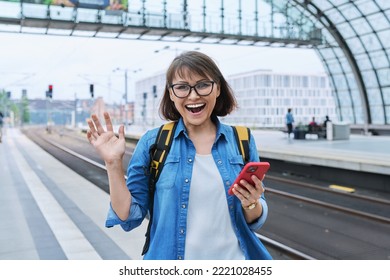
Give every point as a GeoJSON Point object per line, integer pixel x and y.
{"type": "Point", "coordinates": [251, 168]}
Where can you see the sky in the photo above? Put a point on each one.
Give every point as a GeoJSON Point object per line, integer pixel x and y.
{"type": "Point", "coordinates": [71, 64]}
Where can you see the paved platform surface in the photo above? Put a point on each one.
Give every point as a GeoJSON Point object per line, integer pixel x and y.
{"type": "Point", "coordinates": [51, 212]}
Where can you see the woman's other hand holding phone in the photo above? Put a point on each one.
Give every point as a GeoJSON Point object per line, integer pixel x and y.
{"type": "Point", "coordinates": [249, 195]}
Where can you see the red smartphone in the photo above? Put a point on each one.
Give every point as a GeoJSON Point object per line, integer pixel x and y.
{"type": "Point", "coordinates": [251, 168]}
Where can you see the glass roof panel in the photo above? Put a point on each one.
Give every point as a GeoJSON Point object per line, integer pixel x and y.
{"type": "Point", "coordinates": [377, 115]}
{"type": "Point", "coordinates": [345, 65]}
{"type": "Point", "coordinates": [353, 86]}
{"type": "Point", "coordinates": [384, 37]}
{"type": "Point", "coordinates": [359, 114]}
{"type": "Point", "coordinates": [341, 83]}
{"type": "Point", "coordinates": [344, 95]}
{"type": "Point", "coordinates": [361, 26]}
{"type": "Point", "coordinates": [379, 21]}
{"type": "Point", "coordinates": [386, 95]}
{"type": "Point", "coordinates": [328, 37]}
{"type": "Point", "coordinates": [371, 42]}
{"type": "Point", "coordinates": [355, 45]}
{"type": "Point", "coordinates": [384, 76]}
{"type": "Point", "coordinates": [322, 5]}
{"type": "Point", "coordinates": [366, 7]}
{"type": "Point", "coordinates": [346, 30]}
{"type": "Point", "coordinates": [363, 62]}
{"type": "Point", "coordinates": [327, 53]}
{"type": "Point", "coordinates": [339, 52]}
{"type": "Point", "coordinates": [384, 4]}
{"type": "Point", "coordinates": [334, 65]}
{"type": "Point", "coordinates": [350, 12]}
{"type": "Point", "coordinates": [347, 114]}
{"type": "Point", "coordinates": [335, 16]}
{"type": "Point", "coordinates": [379, 59]}
{"type": "Point", "coordinates": [369, 78]}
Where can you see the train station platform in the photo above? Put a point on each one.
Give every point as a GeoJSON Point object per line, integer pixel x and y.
{"type": "Point", "coordinates": [51, 212]}
{"type": "Point", "coordinates": [359, 153]}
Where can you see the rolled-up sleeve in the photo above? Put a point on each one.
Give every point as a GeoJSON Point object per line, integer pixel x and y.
{"type": "Point", "coordinates": [137, 183]}
{"type": "Point", "coordinates": [134, 220]}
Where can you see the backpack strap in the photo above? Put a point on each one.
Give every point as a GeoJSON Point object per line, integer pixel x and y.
{"type": "Point", "coordinates": [158, 153]}
{"type": "Point", "coordinates": [242, 135]}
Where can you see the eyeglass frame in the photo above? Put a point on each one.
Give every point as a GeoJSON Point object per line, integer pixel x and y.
{"type": "Point", "coordinates": [193, 87]}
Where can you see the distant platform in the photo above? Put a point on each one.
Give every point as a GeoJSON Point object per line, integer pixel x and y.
{"type": "Point", "coordinates": [359, 153]}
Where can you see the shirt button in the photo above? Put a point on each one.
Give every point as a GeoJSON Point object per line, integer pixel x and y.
{"type": "Point", "coordinates": [181, 231]}
{"type": "Point", "coordinates": [183, 206]}
{"type": "Point", "coordinates": [190, 160]}
{"type": "Point", "coordinates": [179, 257]}
{"type": "Point", "coordinates": [219, 162]}
{"type": "Point", "coordinates": [227, 183]}
{"type": "Point", "coordinates": [186, 180]}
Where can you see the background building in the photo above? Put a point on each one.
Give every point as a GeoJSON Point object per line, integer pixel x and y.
{"type": "Point", "coordinates": [148, 94]}
{"type": "Point", "coordinates": [264, 97]}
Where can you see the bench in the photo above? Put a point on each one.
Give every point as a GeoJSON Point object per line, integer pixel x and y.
{"type": "Point", "coordinates": [307, 132]}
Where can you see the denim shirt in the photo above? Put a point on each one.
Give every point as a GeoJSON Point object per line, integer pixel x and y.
{"type": "Point", "coordinates": [168, 232]}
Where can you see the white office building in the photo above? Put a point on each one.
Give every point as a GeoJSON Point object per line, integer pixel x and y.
{"type": "Point", "coordinates": [263, 98]}
{"type": "Point", "coordinates": [148, 94]}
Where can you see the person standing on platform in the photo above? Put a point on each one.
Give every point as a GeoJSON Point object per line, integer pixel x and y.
{"type": "Point", "coordinates": [326, 121]}
{"type": "Point", "coordinates": [194, 217]}
{"type": "Point", "coordinates": [326, 124]}
{"type": "Point", "coordinates": [289, 122]}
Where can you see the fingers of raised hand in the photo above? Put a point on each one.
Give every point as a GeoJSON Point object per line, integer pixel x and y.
{"type": "Point", "coordinates": [98, 125]}
{"type": "Point", "coordinates": [92, 130]}
{"type": "Point", "coordinates": [107, 120]}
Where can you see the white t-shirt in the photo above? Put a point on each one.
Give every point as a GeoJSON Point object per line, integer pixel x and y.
{"type": "Point", "coordinates": [210, 234]}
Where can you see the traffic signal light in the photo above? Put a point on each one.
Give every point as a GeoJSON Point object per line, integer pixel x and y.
{"type": "Point", "coordinates": [155, 91]}
{"type": "Point", "coordinates": [91, 90]}
{"type": "Point", "coordinates": [50, 91]}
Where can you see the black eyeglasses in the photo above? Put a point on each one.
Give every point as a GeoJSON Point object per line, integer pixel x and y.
{"type": "Point", "coordinates": [202, 89]}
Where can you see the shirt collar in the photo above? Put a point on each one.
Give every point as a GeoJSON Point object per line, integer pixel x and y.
{"type": "Point", "coordinates": [222, 130]}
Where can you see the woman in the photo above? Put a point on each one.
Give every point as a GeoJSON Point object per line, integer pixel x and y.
{"type": "Point", "coordinates": [194, 217]}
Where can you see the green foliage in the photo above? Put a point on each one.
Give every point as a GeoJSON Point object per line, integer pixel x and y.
{"type": "Point", "coordinates": [20, 109]}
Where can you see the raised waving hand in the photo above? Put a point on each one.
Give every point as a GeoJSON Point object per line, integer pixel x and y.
{"type": "Point", "coordinates": [110, 147]}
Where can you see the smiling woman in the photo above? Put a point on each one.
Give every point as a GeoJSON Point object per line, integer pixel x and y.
{"type": "Point", "coordinates": [194, 217]}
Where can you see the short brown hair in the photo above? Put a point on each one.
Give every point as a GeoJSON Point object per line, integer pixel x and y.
{"type": "Point", "coordinates": [202, 65]}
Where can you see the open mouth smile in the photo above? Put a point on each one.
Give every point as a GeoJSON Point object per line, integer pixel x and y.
{"type": "Point", "coordinates": [195, 108]}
